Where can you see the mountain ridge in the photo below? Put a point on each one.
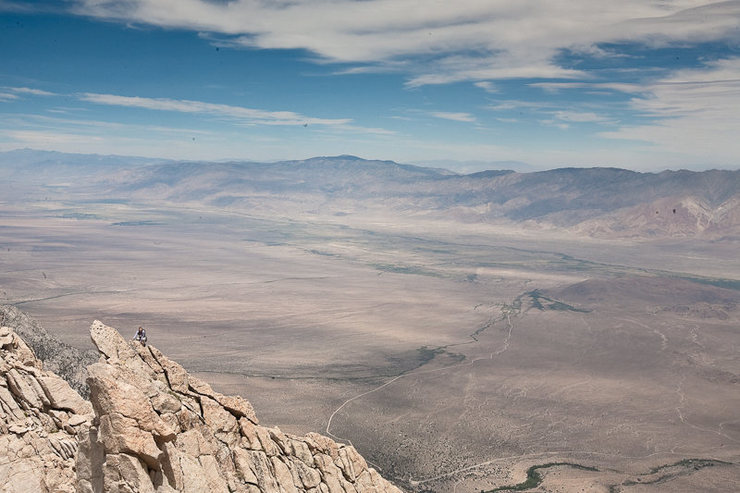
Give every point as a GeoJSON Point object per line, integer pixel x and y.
{"type": "Point", "coordinates": [604, 202]}
{"type": "Point", "coordinates": [150, 427]}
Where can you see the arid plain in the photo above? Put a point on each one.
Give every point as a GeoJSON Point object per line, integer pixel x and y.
{"type": "Point", "coordinates": [454, 357]}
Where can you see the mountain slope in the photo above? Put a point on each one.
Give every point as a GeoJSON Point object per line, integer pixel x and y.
{"type": "Point", "coordinates": [595, 201]}
{"type": "Point", "coordinates": [40, 418]}
{"type": "Point", "coordinates": [58, 357]}
{"type": "Point", "coordinates": [151, 427]}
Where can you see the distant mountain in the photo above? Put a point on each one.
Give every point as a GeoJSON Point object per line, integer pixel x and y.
{"type": "Point", "coordinates": [26, 162]}
{"type": "Point", "coordinates": [467, 166]}
{"type": "Point", "coordinates": [593, 201]}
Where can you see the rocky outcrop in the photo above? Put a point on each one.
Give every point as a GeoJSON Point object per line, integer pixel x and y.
{"type": "Point", "coordinates": [40, 419]}
{"type": "Point", "coordinates": [64, 360]}
{"type": "Point", "coordinates": [150, 427]}
{"type": "Point", "coordinates": [159, 429]}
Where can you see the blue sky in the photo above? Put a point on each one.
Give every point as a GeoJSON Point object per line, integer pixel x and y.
{"type": "Point", "coordinates": [639, 84]}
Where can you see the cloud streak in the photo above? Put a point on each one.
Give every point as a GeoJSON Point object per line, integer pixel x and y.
{"type": "Point", "coordinates": [692, 112]}
{"type": "Point", "coordinates": [443, 41]}
{"type": "Point", "coordinates": [454, 116]}
{"type": "Point", "coordinates": [246, 115]}
{"type": "Point", "coordinates": [31, 91]}
{"type": "Point", "coordinates": [14, 93]}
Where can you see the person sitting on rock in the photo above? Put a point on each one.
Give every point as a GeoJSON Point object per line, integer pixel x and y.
{"type": "Point", "coordinates": [140, 336]}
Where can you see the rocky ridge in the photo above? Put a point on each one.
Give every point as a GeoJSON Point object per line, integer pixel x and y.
{"type": "Point", "coordinates": [152, 427]}
{"type": "Point", "coordinates": [40, 419]}
{"type": "Point", "coordinates": [60, 358]}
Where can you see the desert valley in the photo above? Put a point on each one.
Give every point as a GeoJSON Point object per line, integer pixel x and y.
{"type": "Point", "coordinates": [576, 328]}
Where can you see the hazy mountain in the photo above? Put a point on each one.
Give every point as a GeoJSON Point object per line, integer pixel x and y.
{"type": "Point", "coordinates": [467, 166]}
{"type": "Point", "coordinates": [596, 201]}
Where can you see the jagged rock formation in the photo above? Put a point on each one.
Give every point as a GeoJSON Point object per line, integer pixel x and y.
{"type": "Point", "coordinates": [160, 429]}
{"type": "Point", "coordinates": [150, 427]}
{"type": "Point", "coordinates": [40, 418]}
{"type": "Point", "coordinates": [66, 361]}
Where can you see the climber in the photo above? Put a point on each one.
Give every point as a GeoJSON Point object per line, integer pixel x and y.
{"type": "Point", "coordinates": [140, 336]}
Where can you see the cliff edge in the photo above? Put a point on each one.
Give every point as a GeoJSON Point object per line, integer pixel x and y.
{"type": "Point", "coordinates": [40, 419]}
{"type": "Point", "coordinates": [151, 427]}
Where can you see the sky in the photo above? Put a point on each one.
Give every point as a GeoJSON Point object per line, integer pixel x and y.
{"type": "Point", "coordinates": [465, 84]}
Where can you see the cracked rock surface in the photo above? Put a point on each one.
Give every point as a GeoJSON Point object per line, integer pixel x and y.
{"type": "Point", "coordinates": [150, 427]}
{"type": "Point", "coordinates": [58, 357]}
{"type": "Point", "coordinates": [41, 417]}
{"type": "Point", "coordinates": [159, 429]}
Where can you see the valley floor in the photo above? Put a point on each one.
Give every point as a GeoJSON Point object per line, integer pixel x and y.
{"type": "Point", "coordinates": [456, 359]}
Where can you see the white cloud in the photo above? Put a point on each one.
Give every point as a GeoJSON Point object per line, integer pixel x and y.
{"type": "Point", "coordinates": [33, 92]}
{"type": "Point", "coordinates": [581, 117]}
{"type": "Point", "coordinates": [693, 112]}
{"type": "Point", "coordinates": [488, 68]}
{"type": "Point", "coordinates": [12, 93]}
{"type": "Point", "coordinates": [457, 117]}
{"type": "Point", "coordinates": [487, 86]}
{"type": "Point", "coordinates": [53, 123]}
{"type": "Point", "coordinates": [554, 87]}
{"type": "Point", "coordinates": [556, 117]}
{"type": "Point", "coordinates": [513, 104]}
{"type": "Point", "coordinates": [44, 139]}
{"type": "Point", "coordinates": [555, 123]}
{"type": "Point", "coordinates": [434, 41]}
{"type": "Point", "coordinates": [246, 115]}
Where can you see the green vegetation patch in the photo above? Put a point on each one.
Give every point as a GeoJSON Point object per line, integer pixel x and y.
{"type": "Point", "coordinates": [534, 478]}
{"type": "Point", "coordinates": [322, 253]}
{"type": "Point", "coordinates": [695, 464]}
{"type": "Point", "coordinates": [427, 354]}
{"type": "Point", "coordinates": [137, 223]}
{"type": "Point", "coordinates": [537, 299]}
{"type": "Point", "coordinates": [406, 269]}
{"type": "Point", "coordinates": [714, 281]}
{"type": "Point", "coordinates": [680, 468]}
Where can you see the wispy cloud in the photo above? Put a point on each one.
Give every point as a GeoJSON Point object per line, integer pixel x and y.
{"type": "Point", "coordinates": [581, 117]}
{"type": "Point", "coordinates": [443, 41]}
{"type": "Point", "coordinates": [490, 69]}
{"type": "Point", "coordinates": [43, 139]}
{"type": "Point", "coordinates": [553, 112]}
{"type": "Point", "coordinates": [555, 123]}
{"type": "Point", "coordinates": [692, 112]}
{"type": "Point", "coordinates": [14, 93]}
{"type": "Point", "coordinates": [246, 115]}
{"type": "Point", "coordinates": [513, 104]}
{"type": "Point", "coordinates": [31, 91]}
{"type": "Point", "coordinates": [75, 125]}
{"type": "Point", "coordinates": [487, 86]}
{"type": "Point", "coordinates": [554, 87]}
{"type": "Point", "coordinates": [454, 116]}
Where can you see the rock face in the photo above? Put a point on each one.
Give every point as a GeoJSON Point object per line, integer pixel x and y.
{"type": "Point", "coordinates": [40, 419]}
{"type": "Point", "coordinates": [151, 427]}
{"type": "Point", "coordinates": [58, 357]}
{"type": "Point", "coordinates": [158, 429]}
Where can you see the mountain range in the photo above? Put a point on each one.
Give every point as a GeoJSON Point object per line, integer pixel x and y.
{"type": "Point", "coordinates": [604, 202]}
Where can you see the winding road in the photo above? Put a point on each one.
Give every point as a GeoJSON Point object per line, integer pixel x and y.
{"type": "Point", "coordinates": [507, 311]}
